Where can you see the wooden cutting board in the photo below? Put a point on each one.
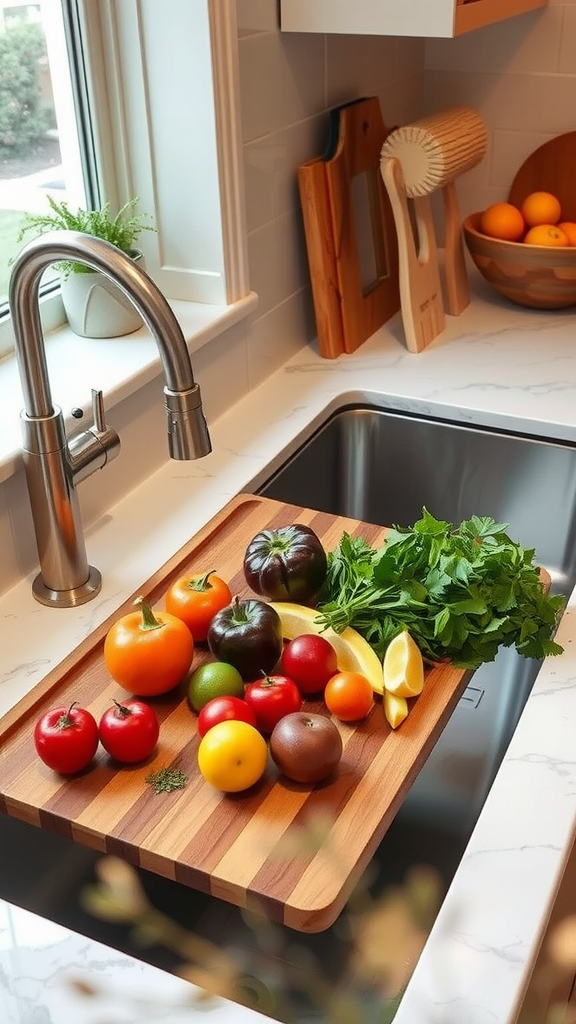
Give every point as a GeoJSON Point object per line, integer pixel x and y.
{"type": "Point", "coordinates": [230, 846]}
{"type": "Point", "coordinates": [343, 221]}
{"type": "Point", "coordinates": [550, 168]}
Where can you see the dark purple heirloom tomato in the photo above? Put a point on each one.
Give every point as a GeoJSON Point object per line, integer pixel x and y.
{"type": "Point", "coordinates": [286, 564]}
{"type": "Point", "coordinates": [248, 635]}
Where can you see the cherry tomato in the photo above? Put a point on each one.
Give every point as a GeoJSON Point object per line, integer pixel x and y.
{"type": "Point", "coordinates": [66, 739]}
{"type": "Point", "coordinates": [148, 654]}
{"type": "Point", "coordinates": [224, 709]}
{"type": "Point", "coordinates": [309, 660]}
{"type": "Point", "coordinates": [271, 698]}
{"type": "Point", "coordinates": [196, 599]}
{"type": "Point", "coordinates": [349, 696]}
{"type": "Point", "coordinates": [129, 731]}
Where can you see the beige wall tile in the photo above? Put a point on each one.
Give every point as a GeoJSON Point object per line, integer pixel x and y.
{"type": "Point", "coordinates": [282, 81]}
{"type": "Point", "coordinates": [278, 263]}
{"type": "Point", "coordinates": [509, 151]}
{"type": "Point", "coordinates": [567, 62]}
{"type": "Point", "coordinates": [279, 334]}
{"type": "Point", "coordinates": [270, 168]}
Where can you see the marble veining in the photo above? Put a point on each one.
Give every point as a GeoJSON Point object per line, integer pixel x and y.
{"type": "Point", "coordinates": [494, 365]}
{"type": "Point", "coordinates": [51, 976]}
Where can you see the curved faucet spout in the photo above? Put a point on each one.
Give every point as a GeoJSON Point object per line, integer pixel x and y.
{"type": "Point", "coordinates": [51, 462]}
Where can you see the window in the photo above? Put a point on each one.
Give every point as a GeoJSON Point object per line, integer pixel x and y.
{"type": "Point", "coordinates": [39, 148]}
{"type": "Point", "coordinates": [159, 82]}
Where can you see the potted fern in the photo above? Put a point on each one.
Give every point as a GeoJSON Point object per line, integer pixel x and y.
{"type": "Point", "coordinates": [95, 306]}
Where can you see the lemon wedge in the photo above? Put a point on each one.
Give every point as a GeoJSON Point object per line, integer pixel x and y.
{"type": "Point", "coordinates": [395, 709]}
{"type": "Point", "coordinates": [403, 668]}
{"type": "Point", "coordinates": [353, 652]}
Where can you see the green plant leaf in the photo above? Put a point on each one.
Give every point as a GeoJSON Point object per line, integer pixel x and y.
{"type": "Point", "coordinates": [460, 592]}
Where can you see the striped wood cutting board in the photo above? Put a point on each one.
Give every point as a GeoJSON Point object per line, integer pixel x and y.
{"type": "Point", "coordinates": [229, 846]}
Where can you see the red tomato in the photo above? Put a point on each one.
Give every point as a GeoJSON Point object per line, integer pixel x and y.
{"type": "Point", "coordinates": [310, 660]}
{"type": "Point", "coordinates": [66, 739]}
{"type": "Point", "coordinates": [224, 709]}
{"type": "Point", "coordinates": [129, 731]}
{"type": "Point", "coordinates": [271, 698]}
{"type": "Point", "coordinates": [196, 599]}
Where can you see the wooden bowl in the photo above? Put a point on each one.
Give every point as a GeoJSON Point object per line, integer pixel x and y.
{"type": "Point", "coordinates": [539, 276]}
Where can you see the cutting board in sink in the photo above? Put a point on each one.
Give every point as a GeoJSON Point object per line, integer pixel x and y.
{"type": "Point", "coordinates": [229, 846]}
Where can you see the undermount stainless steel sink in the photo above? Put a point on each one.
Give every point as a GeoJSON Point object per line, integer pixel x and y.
{"type": "Point", "coordinates": [382, 467]}
{"type": "Point", "coordinates": [379, 466]}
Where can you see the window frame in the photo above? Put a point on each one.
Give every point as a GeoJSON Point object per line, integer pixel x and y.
{"type": "Point", "coordinates": [127, 123]}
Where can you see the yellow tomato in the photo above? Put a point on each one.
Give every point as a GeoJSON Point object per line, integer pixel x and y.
{"type": "Point", "coordinates": [232, 756]}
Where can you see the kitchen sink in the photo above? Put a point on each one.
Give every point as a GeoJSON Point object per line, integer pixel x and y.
{"type": "Point", "coordinates": [382, 467]}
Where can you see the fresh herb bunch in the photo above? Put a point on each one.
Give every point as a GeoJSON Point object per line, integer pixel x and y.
{"type": "Point", "coordinates": [460, 592]}
{"type": "Point", "coordinates": [122, 229]}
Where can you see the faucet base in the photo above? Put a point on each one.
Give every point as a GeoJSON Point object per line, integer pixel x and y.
{"type": "Point", "coordinates": [67, 598]}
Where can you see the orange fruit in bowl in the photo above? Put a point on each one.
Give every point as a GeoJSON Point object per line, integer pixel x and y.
{"type": "Point", "coordinates": [541, 208]}
{"type": "Point", "coordinates": [546, 234]}
{"type": "Point", "coordinates": [502, 220]}
{"type": "Point", "coordinates": [569, 229]}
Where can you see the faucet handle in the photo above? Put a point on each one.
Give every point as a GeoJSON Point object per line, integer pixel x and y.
{"type": "Point", "coordinates": [98, 412]}
{"type": "Point", "coordinates": [96, 446]}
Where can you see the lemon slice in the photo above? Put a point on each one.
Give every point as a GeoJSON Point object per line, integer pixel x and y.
{"type": "Point", "coordinates": [353, 652]}
{"type": "Point", "coordinates": [395, 709]}
{"type": "Point", "coordinates": [403, 668]}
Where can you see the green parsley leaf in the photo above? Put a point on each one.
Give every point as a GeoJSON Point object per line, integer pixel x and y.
{"type": "Point", "coordinates": [460, 592]}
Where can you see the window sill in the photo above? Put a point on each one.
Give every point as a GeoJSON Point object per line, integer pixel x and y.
{"type": "Point", "coordinates": [117, 366]}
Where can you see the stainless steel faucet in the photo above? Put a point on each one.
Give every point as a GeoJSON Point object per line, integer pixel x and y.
{"type": "Point", "coordinates": [53, 463]}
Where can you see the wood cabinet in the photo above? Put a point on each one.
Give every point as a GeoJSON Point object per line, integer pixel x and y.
{"type": "Point", "coordinates": [428, 18]}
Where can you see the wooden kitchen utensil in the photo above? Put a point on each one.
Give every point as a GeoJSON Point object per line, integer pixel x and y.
{"type": "Point", "coordinates": [348, 311]}
{"type": "Point", "coordinates": [550, 168]}
{"type": "Point", "coordinates": [416, 160]}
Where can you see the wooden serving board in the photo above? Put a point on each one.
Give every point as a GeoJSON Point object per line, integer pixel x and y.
{"type": "Point", "coordinates": [230, 846]}
{"type": "Point", "coordinates": [550, 168]}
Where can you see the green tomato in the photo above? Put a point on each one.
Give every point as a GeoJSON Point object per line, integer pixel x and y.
{"type": "Point", "coordinates": [214, 679]}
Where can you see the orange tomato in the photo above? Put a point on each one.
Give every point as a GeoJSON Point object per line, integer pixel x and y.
{"type": "Point", "coordinates": [349, 696]}
{"type": "Point", "coordinates": [503, 220]}
{"type": "Point", "coordinates": [569, 229]}
{"type": "Point", "coordinates": [546, 234]}
{"type": "Point", "coordinates": [196, 598]}
{"type": "Point", "coordinates": [541, 208]}
{"type": "Point", "coordinates": [148, 654]}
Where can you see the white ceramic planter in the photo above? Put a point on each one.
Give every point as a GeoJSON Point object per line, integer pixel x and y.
{"type": "Point", "coordinates": [96, 308]}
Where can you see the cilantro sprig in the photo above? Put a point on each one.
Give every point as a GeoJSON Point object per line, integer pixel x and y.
{"type": "Point", "coordinates": [460, 592]}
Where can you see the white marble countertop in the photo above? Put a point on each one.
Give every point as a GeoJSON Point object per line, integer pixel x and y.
{"type": "Point", "coordinates": [52, 975]}
{"type": "Point", "coordinates": [495, 365]}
